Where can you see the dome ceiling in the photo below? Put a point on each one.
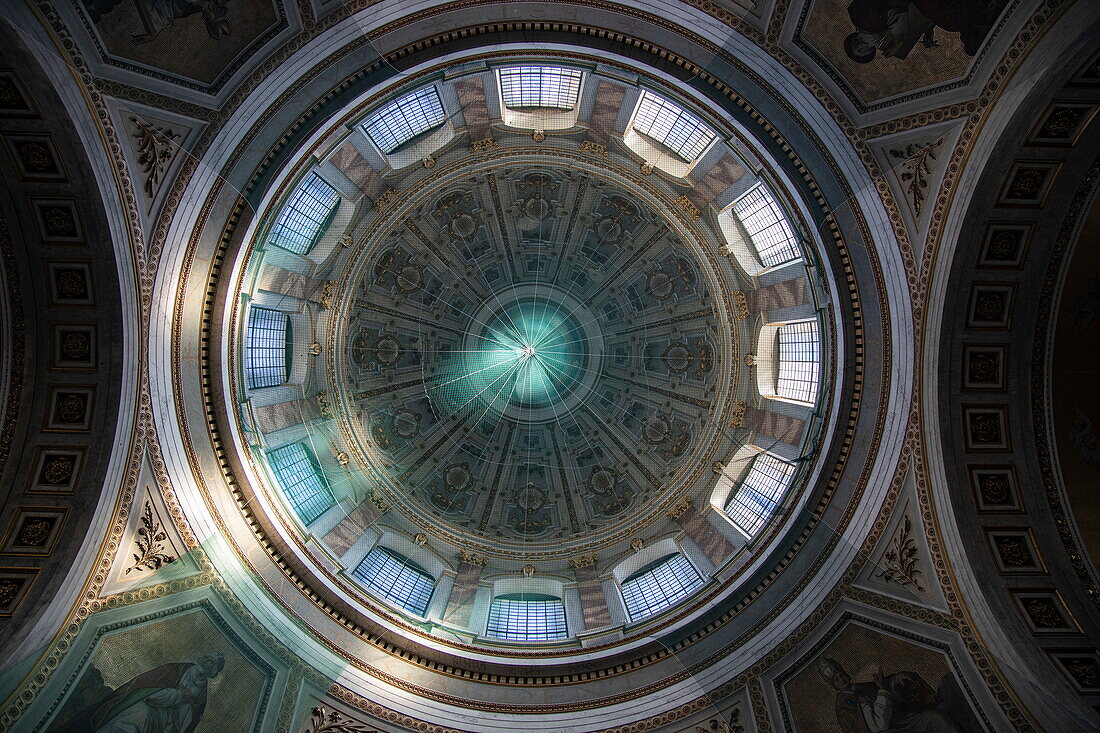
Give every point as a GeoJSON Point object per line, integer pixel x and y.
{"type": "Point", "coordinates": [550, 366]}
{"type": "Point", "coordinates": [545, 372]}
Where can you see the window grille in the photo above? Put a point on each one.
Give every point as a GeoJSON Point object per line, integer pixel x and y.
{"type": "Point", "coordinates": [396, 578]}
{"type": "Point", "coordinates": [540, 86]}
{"type": "Point", "coordinates": [672, 126]}
{"type": "Point", "coordinates": [759, 494]}
{"type": "Point", "coordinates": [767, 226]}
{"type": "Point", "coordinates": [305, 486]}
{"type": "Point", "coordinates": [266, 353]}
{"type": "Point", "coordinates": [526, 617]}
{"type": "Point", "coordinates": [404, 118]}
{"type": "Point", "coordinates": [305, 216]}
{"type": "Point", "coordinates": [660, 585]}
{"type": "Point", "coordinates": [799, 361]}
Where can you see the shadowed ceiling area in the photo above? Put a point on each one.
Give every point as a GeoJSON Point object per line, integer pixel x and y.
{"type": "Point", "coordinates": [371, 367]}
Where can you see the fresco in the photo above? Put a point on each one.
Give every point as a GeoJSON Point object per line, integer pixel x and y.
{"type": "Point", "coordinates": [181, 674]}
{"type": "Point", "coordinates": [884, 48]}
{"type": "Point", "coordinates": [194, 39]}
{"type": "Point", "coordinates": [867, 680]}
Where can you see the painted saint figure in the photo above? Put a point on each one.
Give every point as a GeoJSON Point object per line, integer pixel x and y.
{"type": "Point", "coordinates": [157, 15]}
{"type": "Point", "coordinates": [170, 698]}
{"type": "Point", "coordinates": [897, 703]}
{"type": "Point", "coordinates": [890, 26]}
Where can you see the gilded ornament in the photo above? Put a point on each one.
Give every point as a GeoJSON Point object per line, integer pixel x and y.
{"type": "Point", "coordinates": [528, 571]}
{"type": "Point", "coordinates": [683, 203]}
{"type": "Point", "coordinates": [538, 136]}
{"type": "Point", "coordinates": [646, 168]}
{"type": "Point", "coordinates": [584, 561]}
{"type": "Point", "coordinates": [315, 349]}
{"type": "Point", "coordinates": [741, 303]}
{"type": "Point", "coordinates": [679, 508]}
{"type": "Point", "coordinates": [594, 148]}
{"type": "Point", "coordinates": [484, 145]}
{"type": "Point", "coordinates": [750, 360]}
{"type": "Point", "coordinates": [471, 559]}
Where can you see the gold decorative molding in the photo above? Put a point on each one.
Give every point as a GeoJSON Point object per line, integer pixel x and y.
{"type": "Point", "coordinates": [342, 458]}
{"type": "Point", "coordinates": [741, 303]}
{"type": "Point", "coordinates": [584, 561]}
{"type": "Point", "coordinates": [378, 500]}
{"type": "Point", "coordinates": [471, 559]}
{"type": "Point", "coordinates": [637, 544]}
{"type": "Point", "coordinates": [484, 145]}
{"type": "Point", "coordinates": [646, 167]}
{"type": "Point", "coordinates": [315, 349]}
{"type": "Point", "coordinates": [428, 161]}
{"type": "Point", "coordinates": [684, 204]}
{"type": "Point", "coordinates": [323, 403]}
{"type": "Point", "coordinates": [345, 240]}
{"type": "Point", "coordinates": [420, 540]}
{"type": "Point", "coordinates": [679, 508]}
{"type": "Point", "coordinates": [528, 570]}
{"type": "Point", "coordinates": [328, 293]}
{"type": "Point", "coordinates": [737, 414]}
{"type": "Point", "coordinates": [594, 148]}
{"type": "Point", "coordinates": [538, 135]}
{"type": "Point", "coordinates": [386, 198]}
{"type": "Point", "coordinates": [750, 360]}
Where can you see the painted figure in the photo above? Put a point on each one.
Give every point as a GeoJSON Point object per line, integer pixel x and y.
{"type": "Point", "coordinates": [897, 703]}
{"type": "Point", "coordinates": [890, 25]}
{"type": "Point", "coordinates": [157, 15]}
{"type": "Point", "coordinates": [170, 698]}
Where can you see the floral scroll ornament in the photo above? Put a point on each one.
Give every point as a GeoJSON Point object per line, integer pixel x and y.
{"type": "Point", "coordinates": [155, 148]}
{"type": "Point", "coordinates": [899, 564]}
{"type": "Point", "coordinates": [323, 720]}
{"type": "Point", "coordinates": [150, 543]}
{"type": "Point", "coordinates": [915, 169]}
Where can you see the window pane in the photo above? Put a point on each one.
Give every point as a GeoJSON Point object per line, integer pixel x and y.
{"type": "Point", "coordinates": [799, 361]}
{"type": "Point", "coordinates": [404, 118]}
{"type": "Point", "coordinates": [771, 235]}
{"type": "Point", "coordinates": [526, 618]}
{"type": "Point", "coordinates": [660, 585]}
{"type": "Point", "coordinates": [265, 348]}
{"type": "Point", "coordinates": [305, 487]}
{"type": "Point", "coordinates": [305, 216]}
{"type": "Point", "coordinates": [760, 492]}
{"type": "Point", "coordinates": [672, 126]}
{"type": "Point", "coordinates": [540, 86]}
{"type": "Point", "coordinates": [397, 579]}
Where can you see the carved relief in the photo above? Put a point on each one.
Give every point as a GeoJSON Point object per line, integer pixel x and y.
{"type": "Point", "coordinates": [900, 563]}
{"type": "Point", "coordinates": [151, 549]}
{"type": "Point", "coordinates": [915, 170]}
{"type": "Point", "coordinates": [155, 147]}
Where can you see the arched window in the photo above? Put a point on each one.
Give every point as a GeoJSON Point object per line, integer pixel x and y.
{"type": "Point", "coordinates": [305, 216]}
{"type": "Point", "coordinates": [799, 361]}
{"type": "Point", "coordinates": [766, 224]}
{"type": "Point", "coordinates": [526, 87]}
{"type": "Point", "coordinates": [396, 578]}
{"type": "Point", "coordinates": [267, 348]}
{"type": "Point", "coordinates": [406, 117]}
{"type": "Point", "coordinates": [758, 496]}
{"type": "Point", "coordinates": [295, 466]}
{"type": "Point", "coordinates": [672, 126]}
{"type": "Point", "coordinates": [660, 585]}
{"type": "Point", "coordinates": [527, 617]}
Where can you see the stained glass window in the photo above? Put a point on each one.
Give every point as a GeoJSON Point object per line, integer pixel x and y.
{"type": "Point", "coordinates": [404, 118]}
{"type": "Point", "coordinates": [758, 495]}
{"type": "Point", "coordinates": [526, 617]}
{"type": "Point", "coordinates": [672, 126]}
{"type": "Point", "coordinates": [266, 343]}
{"type": "Point", "coordinates": [396, 578]}
{"type": "Point", "coordinates": [799, 361]}
{"type": "Point", "coordinates": [305, 216]}
{"type": "Point", "coordinates": [767, 226]}
{"type": "Point", "coordinates": [540, 86]}
{"type": "Point", "coordinates": [660, 585]}
{"type": "Point", "coordinates": [305, 487]}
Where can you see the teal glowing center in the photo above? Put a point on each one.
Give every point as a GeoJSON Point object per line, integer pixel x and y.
{"type": "Point", "coordinates": [528, 355]}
